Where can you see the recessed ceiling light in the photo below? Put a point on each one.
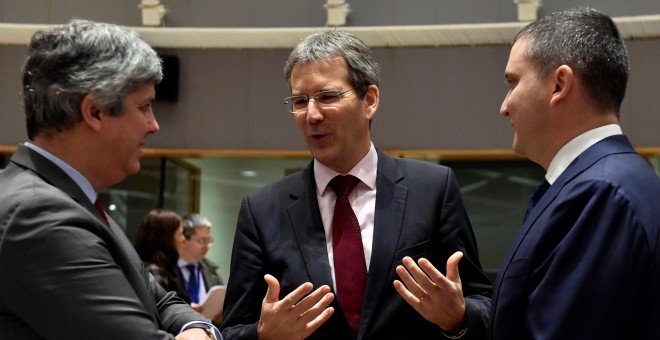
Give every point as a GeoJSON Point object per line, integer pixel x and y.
{"type": "Point", "coordinates": [249, 173]}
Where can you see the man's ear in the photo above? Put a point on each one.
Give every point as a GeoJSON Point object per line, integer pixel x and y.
{"type": "Point", "coordinates": [563, 79]}
{"type": "Point", "coordinates": [91, 113]}
{"type": "Point", "coordinates": [371, 99]}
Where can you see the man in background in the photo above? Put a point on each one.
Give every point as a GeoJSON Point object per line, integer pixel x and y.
{"type": "Point", "coordinates": [199, 273]}
{"type": "Point", "coordinates": [67, 271]}
{"type": "Point", "coordinates": [343, 223]}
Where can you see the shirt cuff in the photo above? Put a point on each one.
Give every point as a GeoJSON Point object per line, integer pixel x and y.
{"type": "Point", "coordinates": [458, 335]}
{"type": "Point", "coordinates": [202, 324]}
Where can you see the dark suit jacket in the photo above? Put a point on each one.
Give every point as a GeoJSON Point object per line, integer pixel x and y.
{"type": "Point", "coordinates": [66, 274]}
{"type": "Point", "coordinates": [585, 265]}
{"type": "Point", "coordinates": [419, 213]}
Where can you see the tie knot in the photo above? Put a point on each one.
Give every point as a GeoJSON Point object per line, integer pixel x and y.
{"type": "Point", "coordinates": [343, 185]}
{"type": "Point", "coordinates": [191, 268]}
{"type": "Point", "coordinates": [540, 191]}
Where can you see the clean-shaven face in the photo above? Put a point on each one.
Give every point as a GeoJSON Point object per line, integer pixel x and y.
{"type": "Point", "coordinates": [125, 135]}
{"type": "Point", "coordinates": [337, 136]}
{"type": "Point", "coordinates": [526, 102]}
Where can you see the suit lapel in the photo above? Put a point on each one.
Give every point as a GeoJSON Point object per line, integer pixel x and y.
{"type": "Point", "coordinates": [305, 217]}
{"type": "Point", "coordinates": [608, 146]}
{"type": "Point", "coordinates": [388, 221]}
{"type": "Point", "coordinates": [51, 173]}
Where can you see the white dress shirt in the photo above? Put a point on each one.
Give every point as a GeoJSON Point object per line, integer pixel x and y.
{"type": "Point", "coordinates": [569, 152]}
{"type": "Point", "coordinates": [362, 199]}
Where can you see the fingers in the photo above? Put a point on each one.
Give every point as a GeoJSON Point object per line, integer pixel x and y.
{"type": "Point", "coordinates": [409, 297]}
{"type": "Point", "coordinates": [273, 292]}
{"type": "Point", "coordinates": [297, 315]}
{"type": "Point", "coordinates": [422, 277]}
{"type": "Point", "coordinates": [401, 287]}
{"type": "Point", "coordinates": [294, 298]}
{"type": "Point", "coordinates": [316, 301]}
{"type": "Point", "coordinates": [319, 312]}
{"type": "Point", "coordinates": [412, 275]}
{"type": "Point", "coordinates": [452, 266]}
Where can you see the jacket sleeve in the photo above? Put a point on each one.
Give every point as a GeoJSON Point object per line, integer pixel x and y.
{"type": "Point", "coordinates": [64, 276]}
{"type": "Point", "coordinates": [246, 289]}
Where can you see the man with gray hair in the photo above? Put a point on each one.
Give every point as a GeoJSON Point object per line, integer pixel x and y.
{"type": "Point", "coordinates": [344, 223]}
{"type": "Point", "coordinates": [67, 271]}
{"type": "Point", "coordinates": [199, 273]}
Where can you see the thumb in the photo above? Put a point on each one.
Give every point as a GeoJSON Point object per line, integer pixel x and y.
{"type": "Point", "coordinates": [452, 266]}
{"type": "Point", "coordinates": [273, 293]}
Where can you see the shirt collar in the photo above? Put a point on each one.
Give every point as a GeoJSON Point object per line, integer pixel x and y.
{"type": "Point", "coordinates": [569, 152]}
{"type": "Point", "coordinates": [365, 171]}
{"type": "Point", "coordinates": [183, 263]}
{"type": "Point", "coordinates": [76, 176]}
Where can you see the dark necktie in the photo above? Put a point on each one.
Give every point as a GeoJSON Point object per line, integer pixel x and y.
{"type": "Point", "coordinates": [348, 252]}
{"type": "Point", "coordinates": [98, 207]}
{"type": "Point", "coordinates": [535, 198]}
{"type": "Point", "coordinates": [193, 285]}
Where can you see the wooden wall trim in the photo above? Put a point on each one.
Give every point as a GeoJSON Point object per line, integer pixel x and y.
{"type": "Point", "coordinates": [479, 154]}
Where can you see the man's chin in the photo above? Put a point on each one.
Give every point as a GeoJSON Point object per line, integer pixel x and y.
{"type": "Point", "coordinates": [135, 168]}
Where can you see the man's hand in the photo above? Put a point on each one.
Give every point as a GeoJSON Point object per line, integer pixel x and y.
{"type": "Point", "coordinates": [296, 316]}
{"type": "Point", "coordinates": [438, 298]}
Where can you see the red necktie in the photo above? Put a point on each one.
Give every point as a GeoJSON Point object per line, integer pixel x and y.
{"type": "Point", "coordinates": [348, 252]}
{"type": "Point", "coordinates": [98, 207]}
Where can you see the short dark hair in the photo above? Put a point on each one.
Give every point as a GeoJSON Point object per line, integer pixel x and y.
{"type": "Point", "coordinates": [589, 42]}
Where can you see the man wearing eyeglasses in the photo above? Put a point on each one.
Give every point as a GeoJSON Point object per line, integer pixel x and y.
{"type": "Point", "coordinates": [315, 254]}
{"type": "Point", "coordinates": [198, 272]}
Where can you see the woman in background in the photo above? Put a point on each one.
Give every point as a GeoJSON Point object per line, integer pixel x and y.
{"type": "Point", "coordinates": [156, 242]}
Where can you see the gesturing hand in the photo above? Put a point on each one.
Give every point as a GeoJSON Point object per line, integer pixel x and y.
{"type": "Point", "coordinates": [438, 298]}
{"type": "Point", "coordinates": [296, 316]}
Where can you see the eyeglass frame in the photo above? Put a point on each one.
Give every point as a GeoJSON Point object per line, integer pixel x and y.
{"type": "Point", "coordinates": [202, 241]}
{"type": "Point", "coordinates": [289, 105]}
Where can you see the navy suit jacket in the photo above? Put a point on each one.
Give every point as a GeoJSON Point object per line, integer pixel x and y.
{"type": "Point", "coordinates": [64, 272]}
{"type": "Point", "coordinates": [586, 263]}
{"type": "Point", "coordinates": [419, 213]}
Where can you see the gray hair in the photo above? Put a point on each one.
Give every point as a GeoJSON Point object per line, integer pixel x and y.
{"type": "Point", "coordinates": [192, 222]}
{"type": "Point", "coordinates": [67, 62]}
{"type": "Point", "coordinates": [589, 42]}
{"type": "Point", "coordinates": [363, 70]}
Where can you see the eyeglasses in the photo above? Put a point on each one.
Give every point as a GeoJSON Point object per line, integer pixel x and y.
{"type": "Point", "coordinates": [202, 241]}
{"type": "Point", "coordinates": [324, 99]}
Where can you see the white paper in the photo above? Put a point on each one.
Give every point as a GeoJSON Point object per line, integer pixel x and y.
{"type": "Point", "coordinates": [212, 304]}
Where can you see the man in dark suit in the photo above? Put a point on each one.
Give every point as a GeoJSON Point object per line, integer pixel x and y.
{"type": "Point", "coordinates": [287, 234]}
{"type": "Point", "coordinates": [585, 262]}
{"type": "Point", "coordinates": [66, 269]}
